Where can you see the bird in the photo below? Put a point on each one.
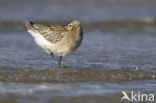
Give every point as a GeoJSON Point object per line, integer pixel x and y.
{"type": "Point", "coordinates": [59, 40]}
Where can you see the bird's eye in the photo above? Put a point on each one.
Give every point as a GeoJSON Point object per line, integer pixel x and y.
{"type": "Point", "coordinates": [70, 25]}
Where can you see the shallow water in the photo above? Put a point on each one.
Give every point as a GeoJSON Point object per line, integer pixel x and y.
{"type": "Point", "coordinates": [62, 11]}
{"type": "Point", "coordinates": [117, 53]}
{"type": "Point", "coordinates": [120, 49]}
{"type": "Point", "coordinates": [77, 92]}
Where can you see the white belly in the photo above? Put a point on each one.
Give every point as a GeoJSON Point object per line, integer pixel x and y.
{"type": "Point", "coordinates": [41, 41]}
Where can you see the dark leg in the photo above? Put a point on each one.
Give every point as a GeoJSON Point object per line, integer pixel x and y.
{"type": "Point", "coordinates": [59, 61]}
{"type": "Point", "coordinates": [52, 55]}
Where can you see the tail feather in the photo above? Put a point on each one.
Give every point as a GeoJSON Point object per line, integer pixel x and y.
{"type": "Point", "coordinates": [31, 23]}
{"type": "Point", "coordinates": [33, 26]}
{"type": "Point", "coordinates": [30, 26]}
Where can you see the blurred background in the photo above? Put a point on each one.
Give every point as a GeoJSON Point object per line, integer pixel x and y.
{"type": "Point", "coordinates": [117, 53]}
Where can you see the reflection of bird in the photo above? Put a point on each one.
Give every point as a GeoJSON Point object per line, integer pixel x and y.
{"type": "Point", "coordinates": [57, 39]}
{"type": "Point", "coordinates": [125, 96]}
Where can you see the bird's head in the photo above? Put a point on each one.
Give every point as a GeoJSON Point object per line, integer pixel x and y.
{"type": "Point", "coordinates": [74, 25]}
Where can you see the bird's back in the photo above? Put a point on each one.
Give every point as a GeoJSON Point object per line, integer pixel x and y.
{"type": "Point", "coordinates": [53, 33]}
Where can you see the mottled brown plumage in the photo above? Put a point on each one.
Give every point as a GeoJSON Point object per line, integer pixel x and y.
{"type": "Point", "coordinates": [57, 39]}
{"type": "Point", "coordinates": [52, 33]}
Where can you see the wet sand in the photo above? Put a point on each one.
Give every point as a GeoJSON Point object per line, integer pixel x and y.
{"type": "Point", "coordinates": [68, 75]}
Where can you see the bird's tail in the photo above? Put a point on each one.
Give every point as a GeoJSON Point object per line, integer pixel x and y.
{"type": "Point", "coordinates": [30, 26]}
{"type": "Point", "coordinates": [31, 23]}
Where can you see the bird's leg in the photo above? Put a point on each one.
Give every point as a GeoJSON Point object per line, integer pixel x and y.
{"type": "Point", "coordinates": [52, 55]}
{"type": "Point", "coordinates": [59, 61]}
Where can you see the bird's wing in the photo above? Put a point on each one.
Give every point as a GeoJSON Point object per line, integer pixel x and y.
{"type": "Point", "coordinates": [51, 33]}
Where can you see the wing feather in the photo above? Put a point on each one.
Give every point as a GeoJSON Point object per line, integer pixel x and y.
{"type": "Point", "coordinates": [51, 33]}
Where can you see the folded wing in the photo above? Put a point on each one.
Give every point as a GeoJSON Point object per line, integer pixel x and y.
{"type": "Point", "coordinates": [51, 33]}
